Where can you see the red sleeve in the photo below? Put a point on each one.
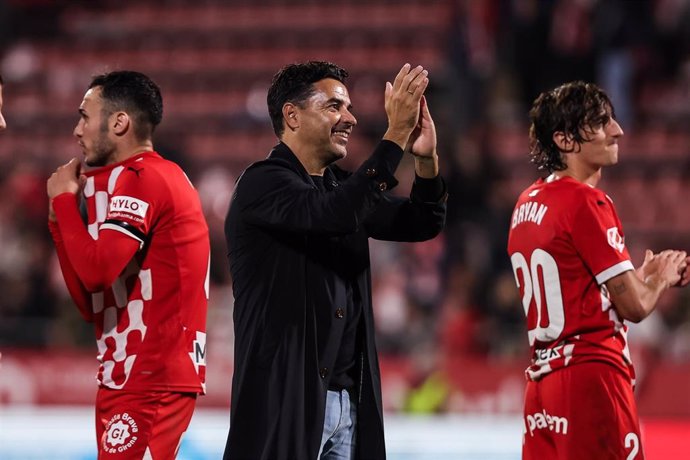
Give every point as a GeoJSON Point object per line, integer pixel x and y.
{"type": "Point", "coordinates": [598, 237]}
{"type": "Point", "coordinates": [97, 263]}
{"type": "Point", "coordinates": [76, 289]}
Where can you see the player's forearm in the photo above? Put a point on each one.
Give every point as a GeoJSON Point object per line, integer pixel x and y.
{"type": "Point", "coordinates": [634, 299]}
{"type": "Point", "coordinates": [97, 263]}
{"type": "Point", "coordinates": [80, 296]}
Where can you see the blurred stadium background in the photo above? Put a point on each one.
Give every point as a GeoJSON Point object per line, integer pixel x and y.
{"type": "Point", "coordinates": [450, 330]}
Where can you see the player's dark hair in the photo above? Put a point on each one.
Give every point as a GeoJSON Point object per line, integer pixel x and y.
{"type": "Point", "coordinates": [1, 82]}
{"type": "Point", "coordinates": [134, 93]}
{"type": "Point", "coordinates": [576, 109]}
{"type": "Point", "coordinates": [295, 83]}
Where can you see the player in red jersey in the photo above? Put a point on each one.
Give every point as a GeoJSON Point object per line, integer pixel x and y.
{"type": "Point", "coordinates": [138, 269]}
{"type": "Point", "coordinates": [578, 285]}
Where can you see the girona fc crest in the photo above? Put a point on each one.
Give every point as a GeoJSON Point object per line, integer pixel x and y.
{"type": "Point", "coordinates": [117, 434]}
{"type": "Point", "coordinates": [616, 241]}
{"type": "Point", "coordinates": [120, 433]}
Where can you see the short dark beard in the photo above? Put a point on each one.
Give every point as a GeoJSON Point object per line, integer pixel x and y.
{"type": "Point", "coordinates": [103, 148]}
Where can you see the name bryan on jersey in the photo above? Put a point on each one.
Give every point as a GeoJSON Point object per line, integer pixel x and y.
{"type": "Point", "coordinates": [529, 212]}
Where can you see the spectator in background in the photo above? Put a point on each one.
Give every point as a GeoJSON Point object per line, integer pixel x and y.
{"type": "Point", "coordinates": [578, 284]}
{"type": "Point", "coordinates": [138, 270]}
{"type": "Point", "coordinates": [306, 383]}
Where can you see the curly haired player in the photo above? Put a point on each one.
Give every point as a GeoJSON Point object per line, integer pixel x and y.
{"type": "Point", "coordinates": [578, 284]}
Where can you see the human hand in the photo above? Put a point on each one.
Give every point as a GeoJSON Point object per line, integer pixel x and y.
{"type": "Point", "coordinates": [643, 271]}
{"type": "Point", "coordinates": [669, 266]}
{"type": "Point", "coordinates": [684, 273]}
{"type": "Point", "coordinates": [402, 103]}
{"type": "Point", "coordinates": [422, 142]}
{"type": "Point", "coordinates": [66, 179]}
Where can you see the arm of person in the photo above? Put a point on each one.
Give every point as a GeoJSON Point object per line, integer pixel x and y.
{"type": "Point", "coordinates": [635, 298]}
{"type": "Point", "coordinates": [418, 218]}
{"type": "Point", "coordinates": [78, 292]}
{"type": "Point", "coordinates": [96, 263]}
{"type": "Point", "coordinates": [272, 194]}
{"type": "Point", "coordinates": [422, 216]}
{"type": "Point", "coordinates": [276, 196]}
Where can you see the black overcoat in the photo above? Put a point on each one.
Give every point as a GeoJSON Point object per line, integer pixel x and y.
{"type": "Point", "coordinates": [292, 251]}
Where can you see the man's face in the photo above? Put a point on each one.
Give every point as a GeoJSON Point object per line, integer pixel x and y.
{"type": "Point", "coordinates": [326, 121]}
{"type": "Point", "coordinates": [3, 125]}
{"type": "Point", "coordinates": [601, 148]}
{"type": "Point", "coordinates": [93, 130]}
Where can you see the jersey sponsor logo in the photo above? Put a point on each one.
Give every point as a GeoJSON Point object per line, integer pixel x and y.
{"type": "Point", "coordinates": [616, 241]}
{"type": "Point", "coordinates": [121, 432]}
{"type": "Point", "coordinates": [529, 212]}
{"type": "Point", "coordinates": [542, 420]}
{"type": "Point", "coordinates": [126, 205]}
{"type": "Point", "coordinates": [544, 355]}
{"type": "Point", "coordinates": [198, 353]}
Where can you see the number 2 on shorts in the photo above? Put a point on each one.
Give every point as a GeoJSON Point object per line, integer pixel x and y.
{"type": "Point", "coordinates": [632, 441]}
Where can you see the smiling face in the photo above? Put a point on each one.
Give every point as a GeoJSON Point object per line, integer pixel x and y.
{"type": "Point", "coordinates": [325, 121]}
{"type": "Point", "coordinates": [93, 131]}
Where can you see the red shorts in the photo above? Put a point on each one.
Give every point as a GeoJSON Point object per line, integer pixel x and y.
{"type": "Point", "coordinates": [141, 425]}
{"type": "Point", "coordinates": [583, 412]}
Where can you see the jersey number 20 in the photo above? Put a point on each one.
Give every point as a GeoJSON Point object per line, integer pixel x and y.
{"type": "Point", "coordinates": [545, 290]}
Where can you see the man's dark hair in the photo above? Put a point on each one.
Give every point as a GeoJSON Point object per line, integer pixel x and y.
{"type": "Point", "coordinates": [1, 82]}
{"type": "Point", "coordinates": [576, 109]}
{"type": "Point", "coordinates": [295, 83]}
{"type": "Point", "coordinates": [134, 93]}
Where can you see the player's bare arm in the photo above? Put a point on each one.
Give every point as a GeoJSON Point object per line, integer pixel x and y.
{"type": "Point", "coordinates": [635, 293]}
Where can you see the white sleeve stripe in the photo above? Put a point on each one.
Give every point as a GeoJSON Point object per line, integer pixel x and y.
{"type": "Point", "coordinates": [122, 230]}
{"type": "Point", "coordinates": [616, 270]}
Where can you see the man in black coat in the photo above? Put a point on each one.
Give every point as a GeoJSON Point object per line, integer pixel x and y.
{"type": "Point", "coordinates": [306, 382]}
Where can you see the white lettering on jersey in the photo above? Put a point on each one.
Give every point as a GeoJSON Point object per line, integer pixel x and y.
{"type": "Point", "coordinates": [127, 205]}
{"type": "Point", "coordinates": [529, 212]}
{"type": "Point", "coordinates": [542, 420]}
{"type": "Point", "coordinates": [616, 241]}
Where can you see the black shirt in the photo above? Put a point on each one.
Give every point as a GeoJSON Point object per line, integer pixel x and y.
{"type": "Point", "coordinates": [344, 371]}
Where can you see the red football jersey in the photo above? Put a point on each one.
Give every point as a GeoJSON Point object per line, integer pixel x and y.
{"type": "Point", "coordinates": [565, 242]}
{"type": "Point", "coordinates": [151, 323]}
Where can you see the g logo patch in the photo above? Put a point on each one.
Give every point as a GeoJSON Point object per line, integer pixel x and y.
{"type": "Point", "coordinates": [117, 434]}
{"type": "Point", "coordinates": [120, 433]}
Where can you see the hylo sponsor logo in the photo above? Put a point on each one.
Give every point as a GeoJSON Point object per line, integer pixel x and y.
{"type": "Point", "coordinates": [128, 205]}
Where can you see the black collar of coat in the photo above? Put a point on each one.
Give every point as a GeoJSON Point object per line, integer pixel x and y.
{"type": "Point", "coordinates": [283, 153]}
